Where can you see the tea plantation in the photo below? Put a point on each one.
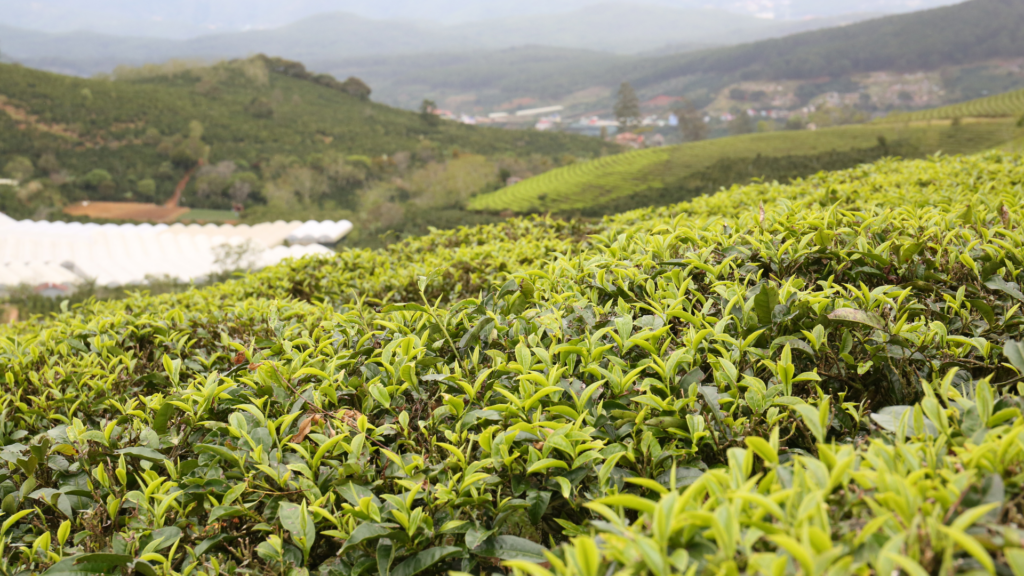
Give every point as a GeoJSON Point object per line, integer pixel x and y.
{"type": "Point", "coordinates": [1005, 105]}
{"type": "Point", "coordinates": [656, 172]}
{"type": "Point", "coordinates": [816, 378]}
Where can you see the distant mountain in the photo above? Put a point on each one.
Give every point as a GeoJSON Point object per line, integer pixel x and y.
{"type": "Point", "coordinates": [180, 19]}
{"type": "Point", "coordinates": [620, 28]}
{"type": "Point", "coordinates": [953, 35]}
{"type": "Point", "coordinates": [968, 33]}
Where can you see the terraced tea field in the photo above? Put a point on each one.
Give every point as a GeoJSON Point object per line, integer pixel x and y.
{"type": "Point", "coordinates": [1006, 105]}
{"type": "Point", "coordinates": [590, 184]}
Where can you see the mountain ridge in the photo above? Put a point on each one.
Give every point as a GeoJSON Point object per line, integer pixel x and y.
{"type": "Point", "coordinates": [610, 27]}
{"type": "Point", "coordinates": [190, 18]}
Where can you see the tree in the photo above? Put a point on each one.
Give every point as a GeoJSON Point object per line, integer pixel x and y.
{"type": "Point", "coordinates": [627, 108]}
{"type": "Point", "coordinates": [146, 188]}
{"type": "Point", "coordinates": [691, 123]}
{"type": "Point", "coordinates": [427, 109]}
{"type": "Point", "coordinates": [260, 107]}
{"type": "Point", "coordinates": [95, 178]}
{"type": "Point", "coordinates": [191, 150]}
{"type": "Point", "coordinates": [742, 123]}
{"type": "Point", "coordinates": [19, 168]}
{"type": "Point", "coordinates": [356, 87]}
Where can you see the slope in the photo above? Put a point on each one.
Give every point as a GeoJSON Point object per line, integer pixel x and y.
{"type": "Point", "coordinates": [281, 129]}
{"type": "Point", "coordinates": [792, 379]}
{"type": "Point", "coordinates": [964, 34]}
{"type": "Point", "coordinates": [658, 176]}
{"type": "Point", "coordinates": [1006, 105]}
{"type": "Point", "coordinates": [619, 28]}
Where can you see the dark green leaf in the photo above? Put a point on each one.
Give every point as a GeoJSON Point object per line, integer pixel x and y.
{"type": "Point", "coordinates": [1014, 352]}
{"type": "Point", "coordinates": [511, 548]}
{"type": "Point", "coordinates": [538, 501]}
{"type": "Point", "coordinates": [854, 316]}
{"type": "Point", "coordinates": [764, 304]}
{"type": "Point", "coordinates": [219, 512]}
{"type": "Point", "coordinates": [424, 560]}
{"type": "Point", "coordinates": [209, 543]}
{"type": "Point", "coordinates": [366, 532]}
{"type": "Point", "coordinates": [997, 283]}
{"type": "Point", "coordinates": [143, 453]}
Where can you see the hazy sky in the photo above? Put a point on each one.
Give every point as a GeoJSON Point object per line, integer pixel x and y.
{"type": "Point", "coordinates": [187, 18]}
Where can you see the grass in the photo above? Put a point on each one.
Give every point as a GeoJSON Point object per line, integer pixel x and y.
{"type": "Point", "coordinates": [590, 184]}
{"type": "Point", "coordinates": [201, 215]}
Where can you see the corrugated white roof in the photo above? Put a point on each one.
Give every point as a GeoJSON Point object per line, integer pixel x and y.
{"type": "Point", "coordinates": [313, 232]}
{"type": "Point", "coordinates": [119, 255]}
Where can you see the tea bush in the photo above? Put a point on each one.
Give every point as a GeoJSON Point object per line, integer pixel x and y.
{"type": "Point", "coordinates": [816, 378]}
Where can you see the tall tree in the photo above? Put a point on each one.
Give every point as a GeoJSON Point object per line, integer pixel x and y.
{"type": "Point", "coordinates": [627, 108]}
{"type": "Point", "coordinates": [741, 123]}
{"type": "Point", "coordinates": [691, 123]}
{"type": "Point", "coordinates": [427, 109]}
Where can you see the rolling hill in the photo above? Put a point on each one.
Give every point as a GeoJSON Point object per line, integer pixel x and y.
{"type": "Point", "coordinates": [964, 34]}
{"type": "Point", "coordinates": [1005, 105]}
{"type": "Point", "coordinates": [660, 176]}
{"type": "Point", "coordinates": [618, 28]}
{"type": "Point", "coordinates": [261, 132]}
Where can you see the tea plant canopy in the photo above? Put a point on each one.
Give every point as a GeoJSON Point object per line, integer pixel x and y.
{"type": "Point", "coordinates": [816, 378]}
{"type": "Point", "coordinates": [66, 253]}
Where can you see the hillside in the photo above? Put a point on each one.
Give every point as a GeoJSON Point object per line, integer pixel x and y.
{"type": "Point", "coordinates": [191, 18]}
{"type": "Point", "coordinates": [973, 31]}
{"type": "Point", "coordinates": [273, 137]}
{"type": "Point", "coordinates": [1006, 105]}
{"type": "Point", "coordinates": [820, 378]}
{"type": "Point", "coordinates": [938, 41]}
{"type": "Point", "coordinates": [616, 28]}
{"type": "Point", "coordinates": [659, 176]}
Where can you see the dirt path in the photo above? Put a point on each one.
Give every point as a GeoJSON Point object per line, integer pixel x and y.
{"type": "Point", "coordinates": [180, 188]}
{"type": "Point", "coordinates": [126, 211]}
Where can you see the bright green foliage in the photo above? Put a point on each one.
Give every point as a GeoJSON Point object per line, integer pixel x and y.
{"type": "Point", "coordinates": [593, 183]}
{"type": "Point", "coordinates": [1005, 105]}
{"type": "Point", "coordinates": [820, 378]}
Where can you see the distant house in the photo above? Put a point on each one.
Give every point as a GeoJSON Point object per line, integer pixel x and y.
{"type": "Point", "coordinates": [513, 180]}
{"type": "Point", "coordinates": [629, 139]}
{"type": "Point", "coordinates": [8, 182]}
{"type": "Point", "coordinates": [656, 141]}
{"type": "Point", "coordinates": [52, 290]}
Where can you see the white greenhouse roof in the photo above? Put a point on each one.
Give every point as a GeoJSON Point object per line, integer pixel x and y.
{"type": "Point", "coordinates": [64, 253]}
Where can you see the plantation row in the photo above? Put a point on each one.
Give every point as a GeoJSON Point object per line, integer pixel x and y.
{"type": "Point", "coordinates": [1005, 105]}
{"type": "Point", "coordinates": [588, 185]}
{"type": "Point", "coordinates": [572, 183]}
{"type": "Point", "coordinates": [818, 378]}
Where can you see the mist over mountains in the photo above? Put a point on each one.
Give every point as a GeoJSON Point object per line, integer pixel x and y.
{"type": "Point", "coordinates": [179, 19]}
{"type": "Point", "coordinates": [607, 28]}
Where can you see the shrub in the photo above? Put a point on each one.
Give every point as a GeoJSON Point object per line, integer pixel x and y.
{"type": "Point", "coordinates": [19, 168]}
{"type": "Point", "coordinates": [815, 378]}
{"type": "Point", "coordinates": [95, 178]}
